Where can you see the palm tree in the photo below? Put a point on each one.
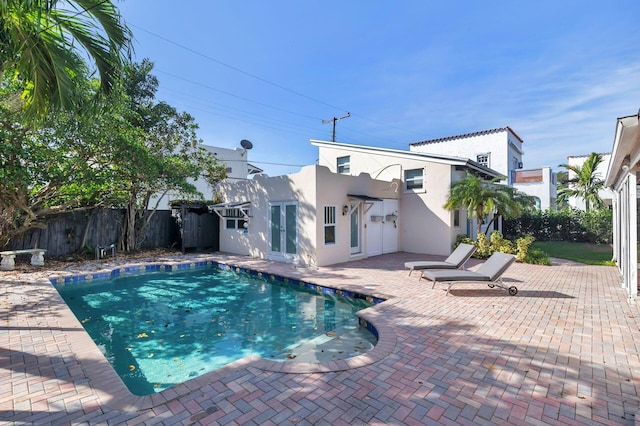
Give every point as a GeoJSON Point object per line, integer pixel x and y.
{"type": "Point", "coordinates": [481, 198]}
{"type": "Point", "coordinates": [44, 47]}
{"type": "Point", "coordinates": [585, 182]}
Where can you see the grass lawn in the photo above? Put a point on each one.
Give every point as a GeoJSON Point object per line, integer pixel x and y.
{"type": "Point", "coordinates": [591, 254]}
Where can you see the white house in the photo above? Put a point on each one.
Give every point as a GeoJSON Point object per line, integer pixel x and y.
{"type": "Point", "coordinates": [313, 218]}
{"type": "Point", "coordinates": [622, 178]}
{"type": "Point", "coordinates": [539, 183]}
{"type": "Point", "coordinates": [238, 168]}
{"type": "Point", "coordinates": [426, 226]}
{"type": "Point", "coordinates": [605, 194]}
{"type": "Point", "coordinates": [501, 150]}
{"type": "Point", "coordinates": [360, 201]}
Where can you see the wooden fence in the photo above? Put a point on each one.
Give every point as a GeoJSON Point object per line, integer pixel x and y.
{"type": "Point", "coordinates": [65, 232]}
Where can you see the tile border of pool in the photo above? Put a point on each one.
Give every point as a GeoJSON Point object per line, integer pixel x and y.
{"type": "Point", "coordinates": [99, 369]}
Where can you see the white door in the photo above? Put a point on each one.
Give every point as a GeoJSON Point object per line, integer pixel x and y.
{"type": "Point", "coordinates": [382, 227]}
{"type": "Point", "coordinates": [374, 226]}
{"type": "Point", "coordinates": [283, 232]}
{"type": "Point", "coordinates": [390, 226]}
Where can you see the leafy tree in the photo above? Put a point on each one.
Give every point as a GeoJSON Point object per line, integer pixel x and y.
{"type": "Point", "coordinates": [33, 169]}
{"type": "Point", "coordinates": [481, 198]}
{"type": "Point", "coordinates": [46, 48]}
{"type": "Point", "coordinates": [155, 152]}
{"type": "Point", "coordinates": [585, 183]}
{"type": "Point", "coordinates": [132, 149]}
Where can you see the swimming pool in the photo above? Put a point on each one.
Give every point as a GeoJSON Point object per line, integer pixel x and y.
{"type": "Point", "coordinates": [161, 328]}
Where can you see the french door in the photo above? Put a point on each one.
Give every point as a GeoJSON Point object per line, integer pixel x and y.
{"type": "Point", "coordinates": [283, 231]}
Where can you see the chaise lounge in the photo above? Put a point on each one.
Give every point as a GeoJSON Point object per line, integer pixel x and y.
{"type": "Point", "coordinates": [456, 260]}
{"type": "Point", "coordinates": [490, 273]}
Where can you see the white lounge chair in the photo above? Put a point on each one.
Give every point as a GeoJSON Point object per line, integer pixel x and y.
{"type": "Point", "coordinates": [456, 260]}
{"type": "Point", "coordinates": [490, 273]}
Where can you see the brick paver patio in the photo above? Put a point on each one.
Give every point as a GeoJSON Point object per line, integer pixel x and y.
{"type": "Point", "coordinates": [565, 350]}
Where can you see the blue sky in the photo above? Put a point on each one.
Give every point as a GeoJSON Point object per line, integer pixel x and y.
{"type": "Point", "coordinates": [558, 73]}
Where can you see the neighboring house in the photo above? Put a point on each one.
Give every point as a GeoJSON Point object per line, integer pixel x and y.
{"type": "Point", "coordinates": [605, 194]}
{"type": "Point", "coordinates": [539, 183]}
{"type": "Point", "coordinates": [238, 168]}
{"type": "Point", "coordinates": [622, 178]}
{"type": "Point", "coordinates": [312, 218]}
{"type": "Point", "coordinates": [501, 150]}
{"type": "Point", "coordinates": [425, 226]}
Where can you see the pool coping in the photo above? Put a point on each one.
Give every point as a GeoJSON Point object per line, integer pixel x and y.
{"type": "Point", "coordinates": [119, 397]}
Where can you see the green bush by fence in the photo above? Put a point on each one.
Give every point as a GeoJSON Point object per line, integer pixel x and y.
{"type": "Point", "coordinates": [593, 226]}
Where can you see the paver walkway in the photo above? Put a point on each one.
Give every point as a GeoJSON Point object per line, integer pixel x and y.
{"type": "Point", "coordinates": [565, 350]}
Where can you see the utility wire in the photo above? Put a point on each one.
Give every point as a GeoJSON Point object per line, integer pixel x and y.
{"type": "Point", "coordinates": [195, 52]}
{"type": "Point", "coordinates": [81, 12]}
{"type": "Point", "coordinates": [236, 96]}
{"type": "Point", "coordinates": [264, 80]}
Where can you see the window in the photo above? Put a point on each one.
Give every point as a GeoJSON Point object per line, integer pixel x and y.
{"type": "Point", "coordinates": [456, 218]}
{"type": "Point", "coordinates": [414, 179]}
{"type": "Point", "coordinates": [235, 218]}
{"type": "Point", "coordinates": [344, 165]}
{"type": "Point", "coordinates": [229, 170]}
{"type": "Point", "coordinates": [329, 225]}
{"type": "Point", "coordinates": [483, 159]}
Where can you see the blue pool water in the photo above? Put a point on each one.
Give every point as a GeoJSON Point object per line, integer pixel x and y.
{"type": "Point", "coordinates": [162, 328]}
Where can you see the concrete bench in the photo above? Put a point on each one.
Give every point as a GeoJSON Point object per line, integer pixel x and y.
{"type": "Point", "coordinates": [8, 258]}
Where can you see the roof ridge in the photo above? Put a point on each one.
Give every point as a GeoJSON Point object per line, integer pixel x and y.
{"type": "Point", "coordinates": [466, 135]}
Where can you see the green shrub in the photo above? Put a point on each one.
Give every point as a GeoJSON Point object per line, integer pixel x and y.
{"type": "Point", "coordinates": [537, 257]}
{"type": "Point", "coordinates": [496, 242]}
{"type": "Point", "coordinates": [594, 226]}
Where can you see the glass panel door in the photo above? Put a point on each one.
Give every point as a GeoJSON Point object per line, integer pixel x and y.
{"type": "Point", "coordinates": [291, 234]}
{"type": "Point", "coordinates": [275, 228]}
{"type": "Point", "coordinates": [355, 228]}
{"type": "Point", "coordinates": [283, 230]}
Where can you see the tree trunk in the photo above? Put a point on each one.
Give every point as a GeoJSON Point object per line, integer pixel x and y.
{"type": "Point", "coordinates": [130, 225]}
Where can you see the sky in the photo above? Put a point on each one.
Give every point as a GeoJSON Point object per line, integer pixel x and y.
{"type": "Point", "coordinates": [559, 73]}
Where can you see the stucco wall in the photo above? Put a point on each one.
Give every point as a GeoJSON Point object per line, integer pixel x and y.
{"type": "Point", "coordinates": [499, 144]}
{"type": "Point", "coordinates": [424, 226]}
{"type": "Point", "coordinates": [314, 187]}
{"type": "Point", "coordinates": [260, 191]}
{"type": "Point", "coordinates": [332, 189]}
{"type": "Point", "coordinates": [545, 190]}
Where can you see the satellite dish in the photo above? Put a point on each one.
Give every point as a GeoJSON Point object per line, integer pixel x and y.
{"type": "Point", "coordinates": [246, 144]}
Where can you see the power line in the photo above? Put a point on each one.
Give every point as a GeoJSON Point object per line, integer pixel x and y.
{"type": "Point", "coordinates": [264, 80]}
{"type": "Point", "coordinates": [236, 96]}
{"type": "Point", "coordinates": [195, 52]}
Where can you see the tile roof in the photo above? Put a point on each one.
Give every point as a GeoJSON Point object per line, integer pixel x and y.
{"type": "Point", "coordinates": [466, 135]}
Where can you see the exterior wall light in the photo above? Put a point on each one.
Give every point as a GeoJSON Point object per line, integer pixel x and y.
{"type": "Point", "coordinates": [345, 210]}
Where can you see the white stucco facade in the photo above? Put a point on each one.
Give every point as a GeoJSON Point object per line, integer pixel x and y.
{"type": "Point", "coordinates": [502, 150]}
{"type": "Point", "coordinates": [501, 147]}
{"type": "Point", "coordinates": [605, 194]}
{"type": "Point", "coordinates": [312, 218]}
{"type": "Point", "coordinates": [425, 226]}
{"type": "Point", "coordinates": [622, 179]}
{"type": "Point", "coordinates": [237, 165]}
{"type": "Point", "coordinates": [539, 183]}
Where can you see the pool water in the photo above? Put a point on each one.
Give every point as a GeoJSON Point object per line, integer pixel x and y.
{"type": "Point", "coordinates": [163, 328]}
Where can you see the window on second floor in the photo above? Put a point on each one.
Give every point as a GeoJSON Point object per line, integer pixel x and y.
{"type": "Point", "coordinates": [414, 179]}
{"type": "Point", "coordinates": [484, 159]}
{"type": "Point", "coordinates": [344, 165]}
